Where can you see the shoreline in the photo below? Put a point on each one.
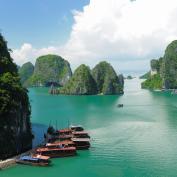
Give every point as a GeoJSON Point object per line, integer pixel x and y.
{"type": "Point", "coordinates": [7, 163]}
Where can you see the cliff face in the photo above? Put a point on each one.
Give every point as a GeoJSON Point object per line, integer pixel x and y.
{"type": "Point", "coordinates": [25, 72]}
{"type": "Point", "coordinates": [108, 83]}
{"type": "Point", "coordinates": [50, 69]}
{"type": "Point", "coordinates": [101, 80]}
{"type": "Point", "coordinates": [164, 70]}
{"type": "Point", "coordinates": [81, 83]}
{"type": "Point", "coordinates": [169, 66]}
{"type": "Point", "coordinates": [15, 127]}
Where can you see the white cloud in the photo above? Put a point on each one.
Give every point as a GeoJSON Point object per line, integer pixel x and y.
{"type": "Point", "coordinates": [125, 33]}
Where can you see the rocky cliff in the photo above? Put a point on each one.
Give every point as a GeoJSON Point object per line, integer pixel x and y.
{"type": "Point", "coordinates": [81, 83]}
{"type": "Point", "coordinates": [15, 127]}
{"type": "Point", "coordinates": [108, 83]}
{"type": "Point", "coordinates": [164, 70]}
{"type": "Point", "coordinates": [101, 80]}
{"type": "Point", "coordinates": [50, 69]}
{"type": "Point", "coordinates": [25, 72]}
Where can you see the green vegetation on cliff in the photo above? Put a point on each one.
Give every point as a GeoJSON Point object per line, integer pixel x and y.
{"type": "Point", "coordinates": [25, 72]}
{"type": "Point", "coordinates": [81, 83]}
{"type": "Point", "coordinates": [154, 82]}
{"type": "Point", "coordinates": [169, 66]}
{"type": "Point", "coordinates": [50, 69]}
{"type": "Point", "coordinates": [164, 70]}
{"type": "Point", "coordinates": [106, 79]}
{"type": "Point", "coordinates": [15, 127]}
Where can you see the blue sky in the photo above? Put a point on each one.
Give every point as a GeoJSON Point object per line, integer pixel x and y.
{"type": "Point", "coordinates": [39, 22]}
{"type": "Point", "coordinates": [126, 33]}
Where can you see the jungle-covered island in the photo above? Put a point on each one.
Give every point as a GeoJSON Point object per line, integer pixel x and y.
{"type": "Point", "coordinates": [163, 74]}
{"type": "Point", "coordinates": [15, 126]}
{"type": "Point", "coordinates": [53, 70]}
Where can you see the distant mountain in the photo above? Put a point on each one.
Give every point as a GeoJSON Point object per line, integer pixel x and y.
{"type": "Point", "coordinates": [164, 70]}
{"type": "Point", "coordinates": [108, 83]}
{"type": "Point", "coordinates": [50, 69]}
{"type": "Point", "coordinates": [81, 83]}
{"type": "Point", "coordinates": [25, 72]}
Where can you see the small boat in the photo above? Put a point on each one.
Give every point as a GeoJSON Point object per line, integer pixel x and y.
{"type": "Point", "coordinates": [81, 143]}
{"type": "Point", "coordinates": [120, 105]}
{"type": "Point", "coordinates": [34, 160]}
{"type": "Point", "coordinates": [76, 128]}
{"type": "Point", "coordinates": [57, 152]}
{"type": "Point", "coordinates": [80, 134]}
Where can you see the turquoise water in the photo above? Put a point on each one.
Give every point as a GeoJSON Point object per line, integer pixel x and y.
{"type": "Point", "coordinates": [138, 140]}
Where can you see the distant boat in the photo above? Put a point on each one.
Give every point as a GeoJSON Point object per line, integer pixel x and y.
{"type": "Point", "coordinates": [34, 160]}
{"type": "Point", "coordinates": [120, 105]}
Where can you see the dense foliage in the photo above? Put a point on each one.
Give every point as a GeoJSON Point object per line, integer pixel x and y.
{"type": "Point", "coordinates": [25, 72]}
{"type": "Point", "coordinates": [50, 69]}
{"type": "Point", "coordinates": [166, 69]}
{"type": "Point", "coordinates": [81, 83]}
{"type": "Point", "coordinates": [154, 82]}
{"type": "Point", "coordinates": [169, 66]}
{"type": "Point", "coordinates": [106, 79]}
{"type": "Point", "coordinates": [15, 128]}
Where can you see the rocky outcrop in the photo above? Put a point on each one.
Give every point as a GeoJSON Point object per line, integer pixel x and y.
{"type": "Point", "coordinates": [25, 72]}
{"type": "Point", "coordinates": [168, 70]}
{"type": "Point", "coordinates": [51, 69]}
{"type": "Point", "coordinates": [15, 127]}
{"type": "Point", "coordinates": [108, 83]}
{"type": "Point", "coordinates": [164, 70]}
{"type": "Point", "coordinates": [81, 83]}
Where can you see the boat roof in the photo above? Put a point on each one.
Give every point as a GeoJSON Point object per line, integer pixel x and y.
{"type": "Point", "coordinates": [60, 143]}
{"type": "Point", "coordinates": [80, 139]}
{"type": "Point", "coordinates": [28, 158]}
{"type": "Point", "coordinates": [76, 126]}
{"type": "Point", "coordinates": [80, 133]}
{"type": "Point", "coordinates": [41, 157]}
{"type": "Point", "coordinates": [64, 130]}
{"type": "Point", "coordinates": [55, 149]}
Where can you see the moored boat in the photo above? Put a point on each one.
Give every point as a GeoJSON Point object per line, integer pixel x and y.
{"type": "Point", "coordinates": [80, 134]}
{"type": "Point", "coordinates": [76, 128]}
{"type": "Point", "coordinates": [57, 152]}
{"type": "Point", "coordinates": [34, 160]}
{"type": "Point", "coordinates": [65, 143]}
{"type": "Point", "coordinates": [81, 143]}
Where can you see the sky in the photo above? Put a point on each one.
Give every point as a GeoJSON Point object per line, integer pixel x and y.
{"type": "Point", "coordinates": [128, 34]}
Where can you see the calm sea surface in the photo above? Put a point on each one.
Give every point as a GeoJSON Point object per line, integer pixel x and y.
{"type": "Point", "coordinates": [138, 140]}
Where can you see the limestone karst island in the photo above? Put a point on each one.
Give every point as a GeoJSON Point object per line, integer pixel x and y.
{"type": "Point", "coordinates": [88, 88]}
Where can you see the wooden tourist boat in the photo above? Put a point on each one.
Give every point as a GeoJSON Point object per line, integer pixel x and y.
{"type": "Point", "coordinates": [80, 134]}
{"type": "Point", "coordinates": [81, 143]}
{"type": "Point", "coordinates": [34, 160]}
{"type": "Point", "coordinates": [65, 143]}
{"type": "Point", "coordinates": [66, 131]}
{"type": "Point", "coordinates": [57, 152]}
